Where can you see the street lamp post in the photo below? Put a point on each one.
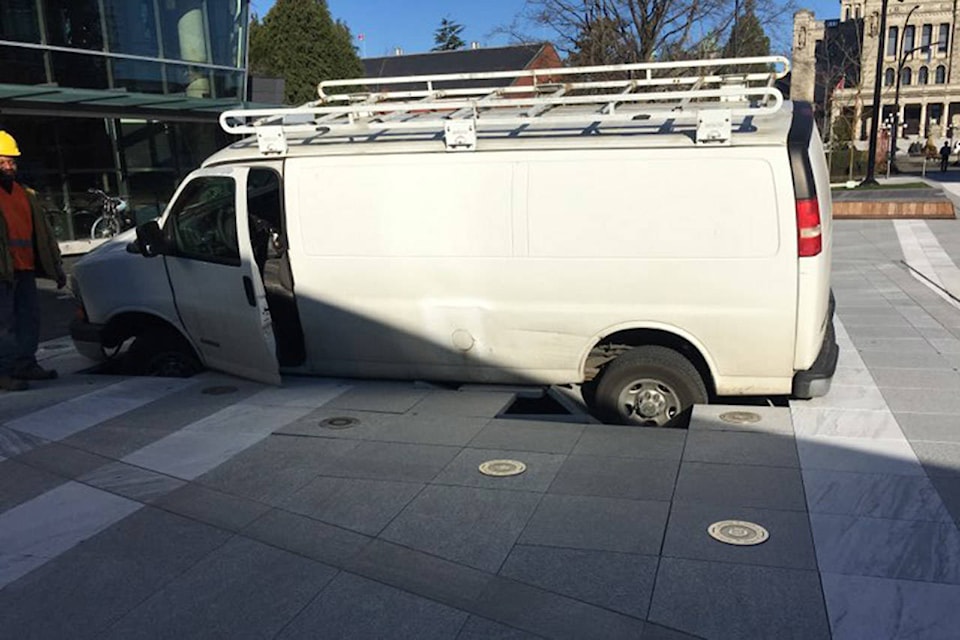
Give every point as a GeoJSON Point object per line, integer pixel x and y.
{"type": "Point", "coordinates": [901, 60]}
{"type": "Point", "coordinates": [875, 120]}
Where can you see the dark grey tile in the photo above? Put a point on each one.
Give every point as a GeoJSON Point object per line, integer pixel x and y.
{"type": "Point", "coordinates": [902, 378]}
{"type": "Point", "coordinates": [430, 429]}
{"type": "Point", "coordinates": [631, 442]}
{"type": "Point", "coordinates": [902, 400]}
{"type": "Point", "coordinates": [21, 482]}
{"type": "Point", "coordinates": [477, 527]}
{"type": "Point", "coordinates": [653, 631]}
{"type": "Point", "coordinates": [939, 458]}
{"type": "Point", "coordinates": [245, 589]}
{"type": "Point", "coordinates": [61, 460]}
{"type": "Point", "coordinates": [909, 360]}
{"type": "Point", "coordinates": [386, 397]}
{"type": "Point", "coordinates": [790, 544]}
{"type": "Point", "coordinates": [603, 524]}
{"type": "Point", "coordinates": [632, 478]}
{"type": "Point", "coordinates": [937, 427]}
{"type": "Point", "coordinates": [741, 486]}
{"type": "Point", "coordinates": [77, 594]}
{"type": "Point", "coordinates": [464, 470]}
{"type": "Point", "coordinates": [115, 441]}
{"type": "Point", "coordinates": [949, 490]}
{"type": "Point", "coordinates": [551, 615]}
{"type": "Point", "coordinates": [389, 461]}
{"type": "Point", "coordinates": [483, 629]}
{"type": "Point", "coordinates": [366, 506]}
{"type": "Point", "coordinates": [353, 607]}
{"type": "Point", "coordinates": [731, 447]}
{"type": "Point", "coordinates": [528, 435]}
{"type": "Point", "coordinates": [722, 600]}
{"type": "Point", "coordinates": [617, 581]}
{"type": "Point", "coordinates": [477, 404]}
{"type": "Point", "coordinates": [317, 424]}
{"type": "Point", "coordinates": [423, 574]}
{"type": "Point", "coordinates": [131, 482]}
{"type": "Point", "coordinates": [13, 442]}
{"type": "Point", "coordinates": [323, 542]}
{"type": "Point", "coordinates": [212, 507]}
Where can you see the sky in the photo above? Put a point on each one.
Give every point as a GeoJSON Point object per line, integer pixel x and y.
{"type": "Point", "coordinates": [410, 24]}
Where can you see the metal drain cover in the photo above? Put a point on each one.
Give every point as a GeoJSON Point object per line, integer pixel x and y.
{"type": "Point", "coordinates": [502, 468]}
{"type": "Point", "coordinates": [738, 532]}
{"type": "Point", "coordinates": [218, 391]}
{"type": "Point", "coordinates": [740, 417]}
{"type": "Point", "coordinates": [339, 422]}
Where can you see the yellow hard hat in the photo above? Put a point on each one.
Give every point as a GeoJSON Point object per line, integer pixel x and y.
{"type": "Point", "coordinates": [8, 146]}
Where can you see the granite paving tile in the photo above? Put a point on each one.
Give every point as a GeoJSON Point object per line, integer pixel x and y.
{"type": "Point", "coordinates": [740, 486]}
{"type": "Point", "coordinates": [905, 360]}
{"type": "Point", "coordinates": [718, 418]}
{"type": "Point", "coordinates": [628, 526]}
{"type": "Point", "coordinates": [90, 586]}
{"type": "Point", "coordinates": [848, 397]}
{"type": "Point", "coordinates": [386, 397]}
{"type": "Point", "coordinates": [113, 441]}
{"type": "Point", "coordinates": [62, 460]}
{"type": "Point", "coordinates": [388, 461]}
{"type": "Point", "coordinates": [315, 424]}
{"type": "Point", "coordinates": [217, 598]}
{"type": "Point", "coordinates": [469, 404]}
{"type": "Point", "coordinates": [429, 429]}
{"type": "Point", "coordinates": [874, 496]}
{"type": "Point", "coordinates": [937, 427]}
{"type": "Point", "coordinates": [474, 526]}
{"type": "Point", "coordinates": [903, 378]}
{"type": "Point", "coordinates": [325, 543]}
{"type": "Point", "coordinates": [730, 601]}
{"type": "Point", "coordinates": [741, 448]}
{"type": "Point", "coordinates": [863, 607]}
{"type": "Point", "coordinates": [890, 319]}
{"type": "Point", "coordinates": [552, 615]}
{"type": "Point", "coordinates": [886, 548]}
{"type": "Point", "coordinates": [616, 581]}
{"type": "Point", "coordinates": [13, 443]}
{"type": "Point", "coordinates": [21, 483]}
{"type": "Point", "coordinates": [213, 507]}
{"type": "Point", "coordinates": [790, 544]}
{"type": "Point", "coordinates": [939, 458]}
{"type": "Point", "coordinates": [949, 490]}
{"type": "Point", "coordinates": [630, 442]}
{"type": "Point", "coordinates": [354, 607]}
{"type": "Point", "coordinates": [464, 470]}
{"type": "Point", "coordinates": [894, 345]}
{"type": "Point", "coordinates": [366, 506]}
{"type": "Point", "coordinates": [853, 376]}
{"type": "Point", "coordinates": [854, 423]}
{"type": "Point", "coordinates": [482, 629]}
{"type": "Point", "coordinates": [131, 482]}
{"type": "Point", "coordinates": [653, 631]}
{"type": "Point", "coordinates": [608, 477]}
{"type": "Point", "coordinates": [528, 435]}
{"type": "Point", "coordinates": [923, 401]}
{"type": "Point", "coordinates": [860, 455]}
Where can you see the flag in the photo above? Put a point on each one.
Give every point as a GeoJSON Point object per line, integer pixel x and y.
{"type": "Point", "coordinates": [840, 84]}
{"type": "Point", "coordinates": [360, 37]}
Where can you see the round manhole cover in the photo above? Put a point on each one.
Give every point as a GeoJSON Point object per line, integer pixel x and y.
{"type": "Point", "coordinates": [218, 391]}
{"type": "Point", "coordinates": [339, 422]}
{"type": "Point", "coordinates": [738, 532]}
{"type": "Point", "coordinates": [740, 417]}
{"type": "Point", "coordinates": [502, 468]}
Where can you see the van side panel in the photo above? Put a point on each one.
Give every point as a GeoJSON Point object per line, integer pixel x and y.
{"type": "Point", "coordinates": [519, 262]}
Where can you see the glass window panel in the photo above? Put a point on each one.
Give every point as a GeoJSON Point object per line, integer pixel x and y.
{"type": "Point", "coordinates": [203, 221]}
{"type": "Point", "coordinates": [22, 66]}
{"type": "Point", "coordinates": [74, 23]}
{"type": "Point", "coordinates": [944, 38]}
{"type": "Point", "coordinates": [228, 84]}
{"type": "Point", "coordinates": [924, 76]}
{"type": "Point", "coordinates": [906, 76]}
{"type": "Point", "coordinates": [79, 70]}
{"type": "Point", "coordinates": [941, 75]}
{"type": "Point", "coordinates": [19, 21]}
{"type": "Point", "coordinates": [888, 77]}
{"type": "Point", "coordinates": [892, 41]}
{"type": "Point", "coordinates": [132, 27]}
{"type": "Point", "coordinates": [227, 25]}
{"type": "Point", "coordinates": [909, 33]}
{"type": "Point", "coordinates": [925, 34]}
{"type": "Point", "coordinates": [137, 75]}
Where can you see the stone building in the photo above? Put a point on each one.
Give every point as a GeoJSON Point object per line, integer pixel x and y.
{"type": "Point", "coordinates": [834, 65]}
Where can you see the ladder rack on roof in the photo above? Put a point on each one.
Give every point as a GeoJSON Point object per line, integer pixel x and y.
{"type": "Point", "coordinates": [710, 93]}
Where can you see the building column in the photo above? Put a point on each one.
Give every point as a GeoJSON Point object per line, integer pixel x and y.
{"type": "Point", "coordinates": [923, 119]}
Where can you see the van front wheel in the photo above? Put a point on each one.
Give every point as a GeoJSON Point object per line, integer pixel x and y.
{"type": "Point", "coordinates": [649, 386]}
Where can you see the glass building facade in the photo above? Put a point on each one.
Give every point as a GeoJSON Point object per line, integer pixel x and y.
{"type": "Point", "coordinates": [121, 95]}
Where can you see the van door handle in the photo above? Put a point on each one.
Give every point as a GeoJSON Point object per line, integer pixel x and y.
{"type": "Point", "coordinates": [248, 287]}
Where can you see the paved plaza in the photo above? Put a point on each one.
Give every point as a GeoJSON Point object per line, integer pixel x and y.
{"type": "Point", "coordinates": [213, 507]}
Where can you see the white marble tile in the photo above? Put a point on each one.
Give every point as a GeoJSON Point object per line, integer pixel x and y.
{"type": "Point", "coordinates": [42, 528]}
{"type": "Point", "coordinates": [13, 443]}
{"type": "Point", "coordinates": [849, 397]}
{"type": "Point", "coordinates": [853, 423]}
{"type": "Point", "coordinates": [863, 608]}
{"type": "Point", "coordinates": [887, 548]}
{"type": "Point", "coordinates": [874, 495]}
{"type": "Point", "coordinates": [853, 376]}
{"type": "Point", "coordinates": [67, 418]}
{"type": "Point", "coordinates": [131, 482]}
{"type": "Point", "coordinates": [188, 455]}
{"type": "Point", "coordinates": [861, 455]}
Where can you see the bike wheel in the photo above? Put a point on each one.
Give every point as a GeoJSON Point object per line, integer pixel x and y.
{"type": "Point", "coordinates": [103, 228]}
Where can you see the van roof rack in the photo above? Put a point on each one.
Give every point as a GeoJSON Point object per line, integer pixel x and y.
{"type": "Point", "coordinates": [709, 93]}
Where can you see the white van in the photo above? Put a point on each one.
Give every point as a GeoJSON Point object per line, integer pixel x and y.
{"type": "Point", "coordinates": [662, 241]}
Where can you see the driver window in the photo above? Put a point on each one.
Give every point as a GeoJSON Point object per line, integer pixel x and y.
{"type": "Point", "coordinates": [203, 222]}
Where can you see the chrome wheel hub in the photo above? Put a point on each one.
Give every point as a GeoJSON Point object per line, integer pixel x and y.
{"type": "Point", "coordinates": [649, 402]}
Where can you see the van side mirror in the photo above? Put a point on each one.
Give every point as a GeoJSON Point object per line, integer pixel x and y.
{"type": "Point", "coordinates": [150, 240]}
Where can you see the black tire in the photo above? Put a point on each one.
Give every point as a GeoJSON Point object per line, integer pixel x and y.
{"type": "Point", "coordinates": [669, 382]}
{"type": "Point", "coordinates": [162, 353]}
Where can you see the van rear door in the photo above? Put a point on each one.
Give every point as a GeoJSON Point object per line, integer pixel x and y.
{"type": "Point", "coordinates": [216, 285]}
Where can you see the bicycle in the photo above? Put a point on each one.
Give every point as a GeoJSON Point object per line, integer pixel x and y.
{"type": "Point", "coordinates": [114, 216]}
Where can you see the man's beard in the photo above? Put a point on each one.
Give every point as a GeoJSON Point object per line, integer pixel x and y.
{"type": "Point", "coordinates": [7, 178]}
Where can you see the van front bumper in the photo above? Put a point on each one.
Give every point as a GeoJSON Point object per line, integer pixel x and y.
{"type": "Point", "coordinates": [87, 338]}
{"type": "Point", "coordinates": [815, 381]}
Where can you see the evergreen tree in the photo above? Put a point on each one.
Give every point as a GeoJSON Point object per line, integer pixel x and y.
{"type": "Point", "coordinates": [747, 38]}
{"type": "Point", "coordinates": [299, 42]}
{"type": "Point", "coordinates": [447, 36]}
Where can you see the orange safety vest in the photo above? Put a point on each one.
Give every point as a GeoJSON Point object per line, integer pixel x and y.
{"type": "Point", "coordinates": [16, 211]}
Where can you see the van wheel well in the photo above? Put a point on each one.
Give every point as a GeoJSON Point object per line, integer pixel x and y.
{"type": "Point", "coordinates": [134, 324]}
{"type": "Point", "coordinates": [615, 344]}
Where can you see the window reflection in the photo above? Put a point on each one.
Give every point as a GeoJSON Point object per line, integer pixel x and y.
{"type": "Point", "coordinates": [74, 23]}
{"type": "Point", "coordinates": [132, 27]}
{"type": "Point", "coordinates": [22, 66]}
{"type": "Point", "coordinates": [18, 21]}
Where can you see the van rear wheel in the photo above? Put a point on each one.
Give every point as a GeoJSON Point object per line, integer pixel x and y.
{"type": "Point", "coordinates": [649, 386]}
{"type": "Point", "coordinates": [163, 353]}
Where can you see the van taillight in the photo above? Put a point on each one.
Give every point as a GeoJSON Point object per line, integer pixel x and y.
{"type": "Point", "coordinates": [808, 228]}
